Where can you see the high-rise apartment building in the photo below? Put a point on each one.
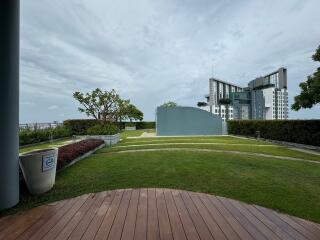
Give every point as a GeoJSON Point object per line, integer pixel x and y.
{"type": "Point", "coordinates": [220, 91]}
{"type": "Point", "coordinates": [265, 98]}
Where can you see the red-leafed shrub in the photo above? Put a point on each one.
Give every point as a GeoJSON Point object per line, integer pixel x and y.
{"type": "Point", "coordinates": [70, 152]}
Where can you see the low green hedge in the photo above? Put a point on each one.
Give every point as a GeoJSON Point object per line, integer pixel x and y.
{"type": "Point", "coordinates": [31, 136]}
{"type": "Point", "coordinates": [145, 125]}
{"type": "Point", "coordinates": [80, 126]}
{"type": "Point", "coordinates": [130, 124]}
{"type": "Point", "coordinates": [103, 129]}
{"type": "Point", "coordinates": [297, 131]}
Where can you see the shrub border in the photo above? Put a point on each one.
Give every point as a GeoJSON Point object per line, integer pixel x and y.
{"type": "Point", "coordinates": [87, 154]}
{"type": "Point", "coordinates": [305, 132]}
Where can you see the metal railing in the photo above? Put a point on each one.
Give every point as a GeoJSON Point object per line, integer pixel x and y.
{"type": "Point", "coordinates": [34, 126]}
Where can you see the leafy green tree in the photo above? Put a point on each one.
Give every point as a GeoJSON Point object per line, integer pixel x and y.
{"type": "Point", "coordinates": [107, 106]}
{"type": "Point", "coordinates": [310, 90]}
{"type": "Point", "coordinates": [202, 104]}
{"type": "Point", "coordinates": [133, 113]}
{"type": "Point", "coordinates": [126, 110]}
{"type": "Point", "coordinates": [169, 104]}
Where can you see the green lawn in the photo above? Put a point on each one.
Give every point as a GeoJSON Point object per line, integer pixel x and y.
{"type": "Point", "coordinates": [57, 143]}
{"type": "Point", "coordinates": [287, 186]}
{"type": "Point", "coordinates": [270, 150]}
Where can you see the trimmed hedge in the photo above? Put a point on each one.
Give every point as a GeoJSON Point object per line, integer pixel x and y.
{"type": "Point", "coordinates": [145, 125]}
{"type": "Point", "coordinates": [296, 131]}
{"type": "Point", "coordinates": [103, 129]}
{"type": "Point", "coordinates": [30, 136]}
{"type": "Point", "coordinates": [80, 126]}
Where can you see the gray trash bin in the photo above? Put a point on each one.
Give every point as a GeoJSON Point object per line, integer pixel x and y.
{"type": "Point", "coordinates": [39, 169]}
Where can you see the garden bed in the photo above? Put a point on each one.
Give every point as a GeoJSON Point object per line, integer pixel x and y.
{"type": "Point", "coordinates": [70, 152]}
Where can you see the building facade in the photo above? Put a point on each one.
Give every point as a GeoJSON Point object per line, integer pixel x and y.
{"type": "Point", "coordinates": [265, 98]}
{"type": "Point", "coordinates": [220, 91]}
{"type": "Point", "coordinates": [270, 96]}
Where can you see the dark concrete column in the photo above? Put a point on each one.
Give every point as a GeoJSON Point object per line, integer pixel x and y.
{"type": "Point", "coordinates": [9, 100]}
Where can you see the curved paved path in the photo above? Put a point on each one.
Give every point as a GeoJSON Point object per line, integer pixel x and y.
{"type": "Point", "coordinates": [154, 214]}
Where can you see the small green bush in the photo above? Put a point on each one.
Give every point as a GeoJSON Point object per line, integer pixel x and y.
{"type": "Point", "coordinates": [297, 131]}
{"type": "Point", "coordinates": [30, 136]}
{"type": "Point", "coordinates": [80, 126]}
{"type": "Point", "coordinates": [103, 129]}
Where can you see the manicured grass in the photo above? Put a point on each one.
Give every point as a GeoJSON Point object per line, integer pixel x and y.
{"type": "Point", "coordinates": [135, 133]}
{"type": "Point", "coordinates": [287, 186]}
{"type": "Point", "coordinates": [193, 139]}
{"type": "Point", "coordinates": [57, 143]}
{"type": "Point", "coordinates": [290, 187]}
{"type": "Point", "coordinates": [270, 150]}
{"type": "Point", "coordinates": [225, 143]}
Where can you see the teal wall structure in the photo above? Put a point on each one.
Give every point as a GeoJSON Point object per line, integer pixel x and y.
{"type": "Point", "coordinates": [179, 121]}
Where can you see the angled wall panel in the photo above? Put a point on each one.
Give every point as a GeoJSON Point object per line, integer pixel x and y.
{"type": "Point", "coordinates": [179, 121]}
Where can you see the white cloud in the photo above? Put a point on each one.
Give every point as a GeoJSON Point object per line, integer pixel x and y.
{"type": "Point", "coordinates": [155, 51]}
{"type": "Point", "coordinates": [53, 107]}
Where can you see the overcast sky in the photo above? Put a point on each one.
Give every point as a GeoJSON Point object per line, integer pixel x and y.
{"type": "Point", "coordinates": [153, 51]}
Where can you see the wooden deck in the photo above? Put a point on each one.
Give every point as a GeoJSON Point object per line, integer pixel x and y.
{"type": "Point", "coordinates": [154, 214]}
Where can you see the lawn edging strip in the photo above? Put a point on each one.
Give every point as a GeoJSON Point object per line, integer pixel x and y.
{"type": "Point", "coordinates": [195, 143]}
{"type": "Point", "coordinates": [217, 151]}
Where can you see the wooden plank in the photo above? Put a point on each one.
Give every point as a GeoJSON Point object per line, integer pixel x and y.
{"type": "Point", "coordinates": [234, 223]}
{"type": "Point", "coordinates": [106, 225]}
{"type": "Point", "coordinates": [117, 226]}
{"type": "Point", "coordinates": [283, 225]}
{"type": "Point", "coordinates": [153, 223]}
{"type": "Point", "coordinates": [200, 225]}
{"type": "Point", "coordinates": [254, 221]}
{"type": "Point", "coordinates": [298, 227]}
{"type": "Point", "coordinates": [11, 221]}
{"type": "Point", "coordinates": [218, 217]}
{"type": "Point", "coordinates": [50, 212]}
{"type": "Point", "coordinates": [22, 223]}
{"type": "Point", "coordinates": [242, 219]}
{"type": "Point", "coordinates": [5, 219]}
{"type": "Point", "coordinates": [154, 214]}
{"type": "Point", "coordinates": [39, 233]}
{"type": "Point", "coordinates": [130, 223]}
{"type": "Point", "coordinates": [276, 229]}
{"type": "Point", "coordinates": [186, 220]}
{"type": "Point", "coordinates": [164, 221]}
{"type": "Point", "coordinates": [8, 220]}
{"type": "Point", "coordinates": [142, 216]}
{"type": "Point", "coordinates": [213, 227]}
{"type": "Point", "coordinates": [310, 226]}
{"type": "Point", "coordinates": [84, 223]}
{"type": "Point", "coordinates": [99, 217]}
{"type": "Point", "coordinates": [176, 224]}
{"type": "Point", "coordinates": [53, 232]}
{"type": "Point", "coordinates": [77, 217]}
